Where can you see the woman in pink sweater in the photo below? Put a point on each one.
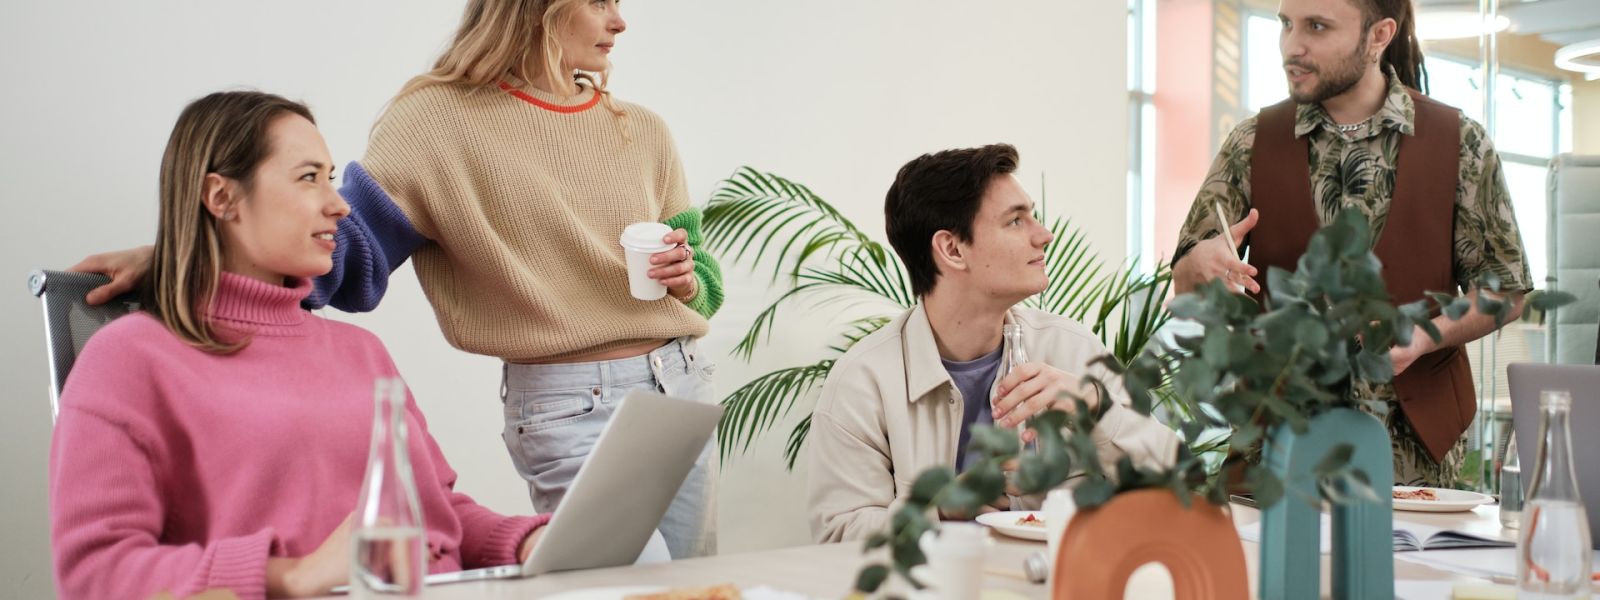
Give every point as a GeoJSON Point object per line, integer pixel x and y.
{"type": "Point", "coordinates": [218, 440]}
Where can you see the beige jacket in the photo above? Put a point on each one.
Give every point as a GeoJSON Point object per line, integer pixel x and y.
{"type": "Point", "coordinates": [889, 410]}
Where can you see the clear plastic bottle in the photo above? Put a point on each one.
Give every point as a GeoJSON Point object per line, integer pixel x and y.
{"type": "Point", "coordinates": [1553, 552]}
{"type": "Point", "coordinates": [390, 540]}
{"type": "Point", "coordinates": [1511, 486]}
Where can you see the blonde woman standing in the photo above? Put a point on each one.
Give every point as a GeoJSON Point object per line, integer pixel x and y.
{"type": "Point", "coordinates": [507, 174]}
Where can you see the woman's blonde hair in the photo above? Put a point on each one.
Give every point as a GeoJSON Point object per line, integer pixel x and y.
{"type": "Point", "coordinates": [223, 133]}
{"type": "Point", "coordinates": [500, 39]}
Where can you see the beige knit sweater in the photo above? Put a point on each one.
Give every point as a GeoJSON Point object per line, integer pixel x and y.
{"type": "Point", "coordinates": [522, 197]}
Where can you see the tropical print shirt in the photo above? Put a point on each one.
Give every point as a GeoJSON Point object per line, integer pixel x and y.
{"type": "Point", "coordinates": [1357, 170]}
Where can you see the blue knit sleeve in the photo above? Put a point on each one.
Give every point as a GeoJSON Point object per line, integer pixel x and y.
{"type": "Point", "coordinates": [371, 243]}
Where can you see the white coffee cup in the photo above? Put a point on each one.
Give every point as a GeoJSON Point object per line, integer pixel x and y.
{"type": "Point", "coordinates": [956, 555]}
{"type": "Point", "coordinates": [640, 241]}
{"type": "Point", "coordinates": [1058, 509]}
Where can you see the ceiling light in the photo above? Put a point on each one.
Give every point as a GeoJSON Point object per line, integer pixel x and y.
{"type": "Point", "coordinates": [1450, 23]}
{"type": "Point", "coordinates": [1583, 57]}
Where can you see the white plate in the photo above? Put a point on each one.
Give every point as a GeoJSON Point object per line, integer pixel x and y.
{"type": "Point", "coordinates": [607, 593]}
{"type": "Point", "coordinates": [1448, 500]}
{"type": "Point", "coordinates": [1006, 522]}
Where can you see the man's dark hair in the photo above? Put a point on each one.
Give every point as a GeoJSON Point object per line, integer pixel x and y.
{"type": "Point", "coordinates": [1404, 53]}
{"type": "Point", "coordinates": [939, 191]}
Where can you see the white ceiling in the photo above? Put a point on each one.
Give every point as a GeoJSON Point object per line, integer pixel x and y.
{"type": "Point", "coordinates": [1560, 22]}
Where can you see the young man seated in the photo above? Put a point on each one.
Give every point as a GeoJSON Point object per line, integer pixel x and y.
{"type": "Point", "coordinates": [906, 397]}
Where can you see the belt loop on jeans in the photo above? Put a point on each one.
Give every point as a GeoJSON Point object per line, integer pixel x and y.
{"type": "Point", "coordinates": [505, 373]}
{"type": "Point", "coordinates": [687, 349]}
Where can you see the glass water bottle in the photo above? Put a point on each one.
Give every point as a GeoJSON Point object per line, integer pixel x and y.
{"type": "Point", "coordinates": [1553, 552]}
{"type": "Point", "coordinates": [390, 542]}
{"type": "Point", "coordinates": [1015, 357]}
{"type": "Point", "coordinates": [1511, 486]}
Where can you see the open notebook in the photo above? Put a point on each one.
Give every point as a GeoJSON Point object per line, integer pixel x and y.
{"type": "Point", "coordinates": [1416, 536]}
{"type": "Point", "coordinates": [1407, 537]}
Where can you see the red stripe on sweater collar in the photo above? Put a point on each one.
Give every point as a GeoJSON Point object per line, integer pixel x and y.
{"type": "Point", "coordinates": [525, 97]}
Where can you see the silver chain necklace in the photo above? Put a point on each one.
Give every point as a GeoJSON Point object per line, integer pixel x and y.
{"type": "Point", "coordinates": [1350, 128]}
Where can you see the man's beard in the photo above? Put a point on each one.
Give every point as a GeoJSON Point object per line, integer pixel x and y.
{"type": "Point", "coordinates": [1336, 80]}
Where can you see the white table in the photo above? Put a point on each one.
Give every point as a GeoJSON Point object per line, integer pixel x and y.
{"type": "Point", "coordinates": [829, 571]}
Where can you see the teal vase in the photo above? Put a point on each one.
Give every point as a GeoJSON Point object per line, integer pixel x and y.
{"type": "Point", "coordinates": [1363, 535]}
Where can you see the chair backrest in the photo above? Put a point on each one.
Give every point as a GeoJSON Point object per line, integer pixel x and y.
{"type": "Point", "coordinates": [69, 321]}
{"type": "Point", "coordinates": [1574, 258]}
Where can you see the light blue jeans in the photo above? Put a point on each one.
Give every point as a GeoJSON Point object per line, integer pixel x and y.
{"type": "Point", "coordinates": [554, 414]}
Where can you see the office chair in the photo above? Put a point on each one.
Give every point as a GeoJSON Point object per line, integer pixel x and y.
{"type": "Point", "coordinates": [69, 321]}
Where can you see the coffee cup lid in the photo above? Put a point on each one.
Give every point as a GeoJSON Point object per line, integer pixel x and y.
{"type": "Point", "coordinates": [646, 237]}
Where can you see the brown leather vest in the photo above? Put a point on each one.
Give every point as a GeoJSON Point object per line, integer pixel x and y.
{"type": "Point", "coordinates": [1416, 246]}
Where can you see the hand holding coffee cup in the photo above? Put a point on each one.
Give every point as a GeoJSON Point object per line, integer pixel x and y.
{"type": "Point", "coordinates": [659, 261]}
{"type": "Point", "coordinates": [674, 267]}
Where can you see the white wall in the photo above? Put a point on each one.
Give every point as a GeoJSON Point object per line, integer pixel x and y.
{"type": "Point", "coordinates": [836, 94]}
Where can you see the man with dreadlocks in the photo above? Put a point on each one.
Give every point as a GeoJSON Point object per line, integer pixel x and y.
{"type": "Point", "coordinates": [1358, 133]}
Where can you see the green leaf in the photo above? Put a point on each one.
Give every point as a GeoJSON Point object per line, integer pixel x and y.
{"type": "Point", "coordinates": [985, 479]}
{"type": "Point", "coordinates": [1375, 367]}
{"type": "Point", "coordinates": [1336, 458]}
{"type": "Point", "coordinates": [1217, 348]}
{"type": "Point", "coordinates": [1347, 486]}
{"type": "Point", "coordinates": [961, 500]}
{"type": "Point", "coordinates": [930, 482]}
{"type": "Point", "coordinates": [1264, 485]}
{"type": "Point", "coordinates": [876, 540]}
{"type": "Point", "coordinates": [1196, 379]}
{"type": "Point", "coordinates": [1092, 492]}
{"type": "Point", "coordinates": [871, 578]}
{"type": "Point", "coordinates": [993, 441]}
{"type": "Point", "coordinates": [1247, 435]}
{"type": "Point", "coordinates": [904, 516]}
{"type": "Point", "coordinates": [1441, 299]}
{"type": "Point", "coordinates": [758, 405]}
{"type": "Point", "coordinates": [1186, 306]}
{"type": "Point", "coordinates": [1491, 306]}
{"type": "Point", "coordinates": [1488, 280]}
{"type": "Point", "coordinates": [1545, 300]}
{"type": "Point", "coordinates": [797, 440]}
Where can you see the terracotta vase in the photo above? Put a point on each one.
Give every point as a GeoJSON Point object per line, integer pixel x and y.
{"type": "Point", "coordinates": [1198, 545]}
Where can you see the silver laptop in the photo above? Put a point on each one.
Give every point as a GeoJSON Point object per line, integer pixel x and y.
{"type": "Point", "coordinates": [1583, 381]}
{"type": "Point", "coordinates": [621, 492]}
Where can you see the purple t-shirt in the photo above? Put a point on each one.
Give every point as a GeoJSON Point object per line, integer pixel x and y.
{"type": "Point", "coordinates": [975, 379]}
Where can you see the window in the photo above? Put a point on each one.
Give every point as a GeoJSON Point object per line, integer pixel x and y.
{"type": "Point", "coordinates": [1141, 133]}
{"type": "Point", "coordinates": [1530, 127]}
{"type": "Point", "coordinates": [1264, 82]}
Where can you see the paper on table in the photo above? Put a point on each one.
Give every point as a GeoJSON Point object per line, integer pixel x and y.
{"type": "Point", "coordinates": [767, 593]}
{"type": "Point", "coordinates": [1423, 590]}
{"type": "Point", "coordinates": [1495, 564]}
{"type": "Point", "coordinates": [1451, 590]}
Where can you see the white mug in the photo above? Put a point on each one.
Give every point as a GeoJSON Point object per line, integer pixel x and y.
{"type": "Point", "coordinates": [1058, 509]}
{"type": "Point", "coordinates": [956, 555]}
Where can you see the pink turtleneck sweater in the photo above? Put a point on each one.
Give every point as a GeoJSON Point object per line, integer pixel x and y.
{"type": "Point", "coordinates": [172, 469]}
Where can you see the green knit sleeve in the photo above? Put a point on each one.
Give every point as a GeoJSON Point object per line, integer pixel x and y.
{"type": "Point", "coordinates": [708, 298]}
